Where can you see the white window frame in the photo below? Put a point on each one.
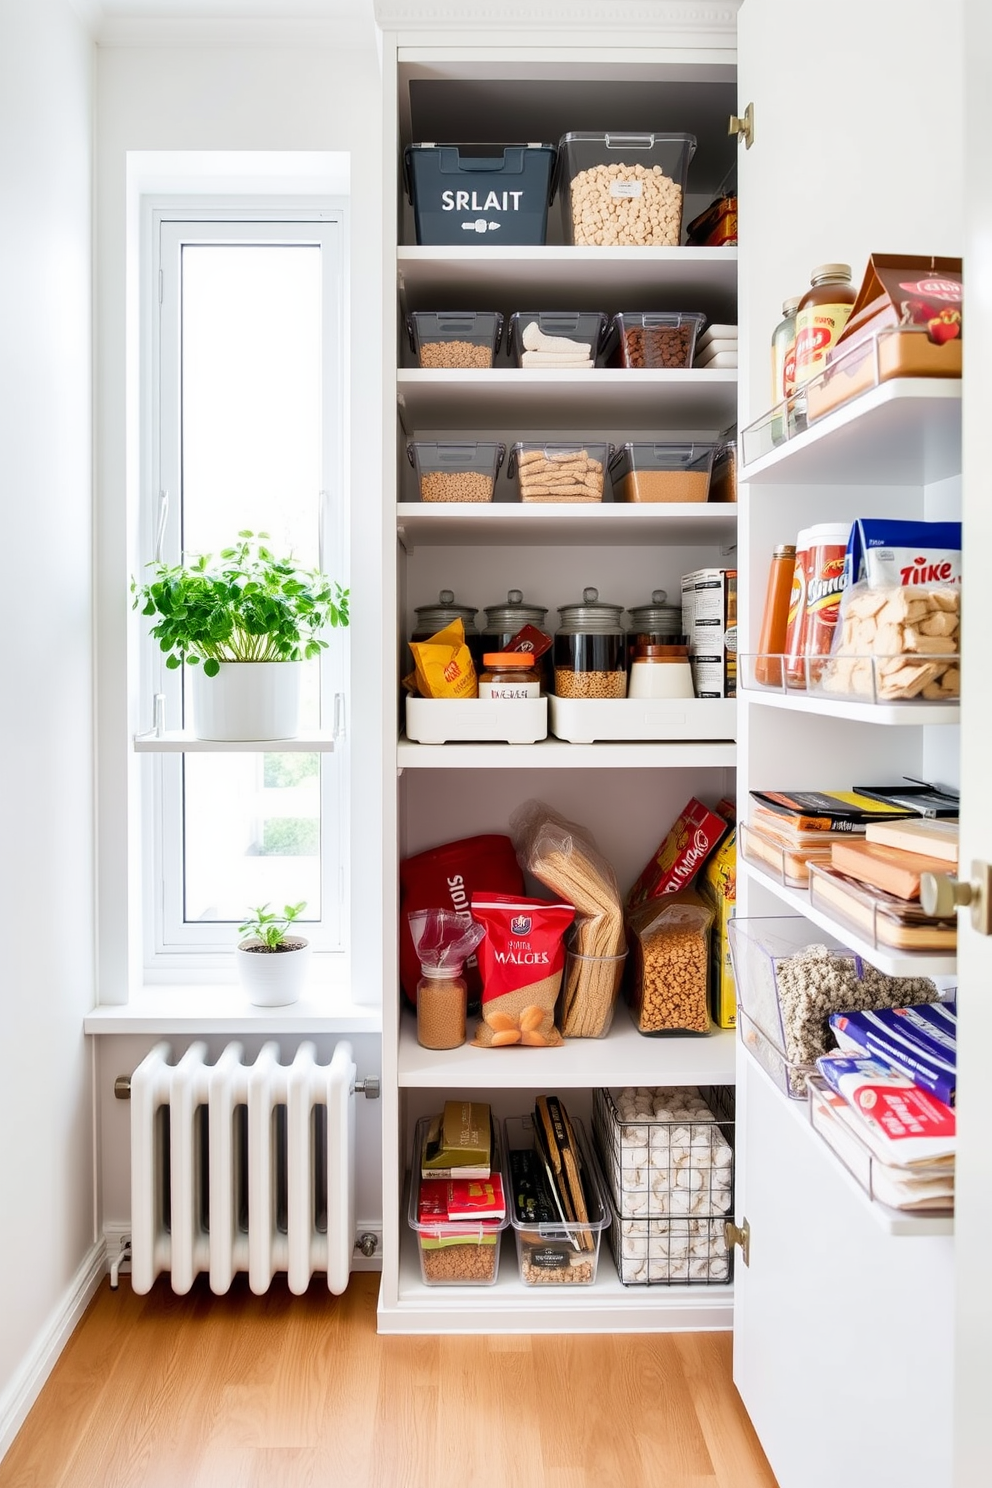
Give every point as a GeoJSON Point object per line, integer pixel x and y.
{"type": "Point", "coordinates": [175, 949]}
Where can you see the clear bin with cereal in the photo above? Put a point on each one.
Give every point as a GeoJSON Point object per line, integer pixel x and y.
{"type": "Point", "coordinates": [455, 339]}
{"type": "Point", "coordinates": [457, 1252]}
{"type": "Point", "coordinates": [558, 1220]}
{"type": "Point", "coordinates": [657, 339]}
{"type": "Point", "coordinates": [558, 338]}
{"type": "Point", "coordinates": [623, 190]}
{"type": "Point", "coordinates": [668, 987]}
{"type": "Point", "coordinates": [559, 472]}
{"type": "Point", "coordinates": [455, 472]}
{"type": "Point", "coordinates": [590, 649]}
{"type": "Point", "coordinates": [662, 472]}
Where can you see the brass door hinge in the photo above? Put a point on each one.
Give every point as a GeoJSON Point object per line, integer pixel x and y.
{"type": "Point", "coordinates": [739, 1235]}
{"type": "Point", "coordinates": [743, 127]}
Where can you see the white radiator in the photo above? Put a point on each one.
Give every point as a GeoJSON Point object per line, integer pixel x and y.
{"type": "Point", "coordinates": [242, 1167]}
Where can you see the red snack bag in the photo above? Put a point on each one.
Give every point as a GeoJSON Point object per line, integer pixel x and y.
{"type": "Point", "coordinates": [679, 858]}
{"type": "Point", "coordinates": [450, 875]}
{"type": "Point", "coordinates": [521, 959]}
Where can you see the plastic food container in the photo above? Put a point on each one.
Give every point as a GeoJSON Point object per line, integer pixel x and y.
{"type": "Point", "coordinates": [657, 339]}
{"type": "Point", "coordinates": [559, 472]}
{"type": "Point", "coordinates": [467, 198]}
{"type": "Point", "coordinates": [623, 190]}
{"type": "Point", "coordinates": [585, 327]}
{"type": "Point", "coordinates": [455, 339]}
{"type": "Point", "coordinates": [507, 618]}
{"type": "Point", "coordinates": [723, 481]}
{"type": "Point", "coordinates": [662, 472]}
{"type": "Point", "coordinates": [668, 990]}
{"type": "Point", "coordinates": [455, 472]}
{"type": "Point", "coordinates": [590, 649]}
{"type": "Point", "coordinates": [558, 1253]}
{"type": "Point", "coordinates": [457, 1254]}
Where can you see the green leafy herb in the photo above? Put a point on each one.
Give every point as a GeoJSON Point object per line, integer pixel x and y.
{"type": "Point", "coordinates": [246, 606]}
{"type": "Point", "coordinates": [268, 926]}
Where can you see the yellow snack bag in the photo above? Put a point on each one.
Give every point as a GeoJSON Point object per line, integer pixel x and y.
{"type": "Point", "coordinates": [445, 668]}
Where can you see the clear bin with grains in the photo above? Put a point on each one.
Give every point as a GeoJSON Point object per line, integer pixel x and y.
{"type": "Point", "coordinates": [661, 472]}
{"type": "Point", "coordinates": [623, 190]}
{"type": "Point", "coordinates": [590, 650]}
{"type": "Point", "coordinates": [456, 472]}
{"type": "Point", "coordinates": [559, 472]}
{"type": "Point", "coordinates": [455, 339]}
{"type": "Point", "coordinates": [657, 339]}
{"type": "Point", "coordinates": [455, 1254]}
{"type": "Point", "coordinates": [560, 1252]}
{"type": "Point", "coordinates": [669, 963]}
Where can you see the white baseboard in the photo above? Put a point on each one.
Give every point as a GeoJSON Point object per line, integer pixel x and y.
{"type": "Point", "coordinates": [26, 1385]}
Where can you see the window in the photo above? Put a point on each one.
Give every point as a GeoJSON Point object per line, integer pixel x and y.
{"type": "Point", "coordinates": [244, 430]}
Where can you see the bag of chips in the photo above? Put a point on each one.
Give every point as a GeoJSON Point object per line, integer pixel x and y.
{"type": "Point", "coordinates": [521, 960]}
{"type": "Point", "coordinates": [445, 668]}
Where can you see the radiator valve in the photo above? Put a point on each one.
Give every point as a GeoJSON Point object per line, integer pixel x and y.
{"type": "Point", "coordinates": [368, 1243]}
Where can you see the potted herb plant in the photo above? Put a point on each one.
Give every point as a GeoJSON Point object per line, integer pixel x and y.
{"type": "Point", "coordinates": [272, 961]}
{"type": "Point", "coordinates": [245, 623]}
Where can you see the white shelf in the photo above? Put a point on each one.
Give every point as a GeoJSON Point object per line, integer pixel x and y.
{"type": "Point", "coordinates": [567, 278]}
{"type": "Point", "coordinates": [535, 399]}
{"type": "Point", "coordinates": [905, 715]}
{"type": "Point", "coordinates": [892, 962]}
{"type": "Point", "coordinates": [555, 754]}
{"type": "Point", "coordinates": [512, 1307]}
{"type": "Point", "coordinates": [904, 432]}
{"type": "Point", "coordinates": [178, 741]}
{"type": "Point", "coordinates": [624, 1057]}
{"type": "Point", "coordinates": [610, 524]}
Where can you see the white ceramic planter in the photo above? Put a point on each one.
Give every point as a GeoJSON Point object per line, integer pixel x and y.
{"type": "Point", "coordinates": [273, 978]}
{"type": "Point", "coordinates": [247, 700]}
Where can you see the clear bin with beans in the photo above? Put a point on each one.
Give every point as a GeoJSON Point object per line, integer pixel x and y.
{"type": "Point", "coordinates": [669, 940]}
{"type": "Point", "coordinates": [662, 472]}
{"type": "Point", "coordinates": [440, 613]}
{"type": "Point", "coordinates": [460, 1252]}
{"type": "Point", "coordinates": [657, 339]}
{"type": "Point", "coordinates": [559, 472]}
{"type": "Point", "coordinates": [590, 649]}
{"type": "Point", "coordinates": [623, 190]}
{"type": "Point", "coordinates": [507, 618]}
{"type": "Point", "coordinates": [455, 339]}
{"type": "Point", "coordinates": [455, 472]}
{"type": "Point", "coordinates": [723, 481]}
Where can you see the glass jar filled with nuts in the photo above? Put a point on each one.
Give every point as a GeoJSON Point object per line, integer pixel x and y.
{"type": "Point", "coordinates": [590, 649]}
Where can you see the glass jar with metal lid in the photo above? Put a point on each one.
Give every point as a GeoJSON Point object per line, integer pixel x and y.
{"type": "Point", "coordinates": [590, 649]}
{"type": "Point", "coordinates": [653, 624]}
{"type": "Point", "coordinates": [505, 618]}
{"type": "Point", "coordinates": [434, 617]}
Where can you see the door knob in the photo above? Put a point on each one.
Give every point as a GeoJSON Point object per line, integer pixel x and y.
{"type": "Point", "coordinates": [941, 895]}
{"type": "Point", "coordinates": [743, 127]}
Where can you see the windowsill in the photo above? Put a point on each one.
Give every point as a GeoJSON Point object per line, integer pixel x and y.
{"type": "Point", "coordinates": [205, 1009]}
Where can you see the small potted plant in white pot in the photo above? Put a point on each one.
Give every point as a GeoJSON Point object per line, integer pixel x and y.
{"type": "Point", "coordinates": [244, 623]}
{"type": "Point", "coordinates": [272, 961]}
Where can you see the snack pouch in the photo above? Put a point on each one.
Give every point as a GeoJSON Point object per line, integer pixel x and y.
{"type": "Point", "coordinates": [445, 668]}
{"type": "Point", "coordinates": [521, 960]}
{"type": "Point", "coordinates": [884, 553]}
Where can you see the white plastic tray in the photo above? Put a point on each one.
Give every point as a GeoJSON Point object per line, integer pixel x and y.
{"type": "Point", "coordinates": [717, 361]}
{"type": "Point", "coordinates": [586, 720]}
{"type": "Point", "coordinates": [474, 720]}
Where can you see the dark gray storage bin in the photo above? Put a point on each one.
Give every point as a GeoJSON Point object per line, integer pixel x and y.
{"type": "Point", "coordinates": [591, 328]}
{"type": "Point", "coordinates": [476, 199]}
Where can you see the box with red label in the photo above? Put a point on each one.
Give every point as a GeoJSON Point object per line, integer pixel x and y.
{"type": "Point", "coordinates": [905, 322]}
{"type": "Point", "coordinates": [682, 854]}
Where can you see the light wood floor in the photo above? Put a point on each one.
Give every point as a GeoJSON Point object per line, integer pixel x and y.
{"type": "Point", "coordinates": [282, 1392]}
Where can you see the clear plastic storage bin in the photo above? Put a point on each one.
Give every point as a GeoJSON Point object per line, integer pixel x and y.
{"type": "Point", "coordinates": [623, 190]}
{"type": "Point", "coordinates": [559, 472]}
{"type": "Point", "coordinates": [562, 333]}
{"type": "Point", "coordinates": [658, 340]}
{"type": "Point", "coordinates": [662, 472]}
{"type": "Point", "coordinates": [455, 339]}
{"type": "Point", "coordinates": [465, 1253]}
{"type": "Point", "coordinates": [455, 472]}
{"type": "Point", "coordinates": [559, 1253]}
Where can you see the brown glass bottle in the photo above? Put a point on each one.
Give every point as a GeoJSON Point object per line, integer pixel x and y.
{"type": "Point", "coordinates": [822, 315]}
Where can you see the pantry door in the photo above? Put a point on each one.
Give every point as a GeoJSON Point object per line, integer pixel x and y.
{"type": "Point", "coordinates": [973, 1202]}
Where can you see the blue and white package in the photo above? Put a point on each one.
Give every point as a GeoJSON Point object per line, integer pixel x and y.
{"type": "Point", "coordinates": [884, 553]}
{"type": "Point", "coordinates": [920, 1042]}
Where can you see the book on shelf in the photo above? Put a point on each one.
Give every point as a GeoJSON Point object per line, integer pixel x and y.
{"type": "Point", "coordinates": [924, 800]}
{"type": "Point", "coordinates": [828, 811]}
{"type": "Point", "coordinates": [936, 838]}
{"type": "Point", "coordinates": [890, 868]}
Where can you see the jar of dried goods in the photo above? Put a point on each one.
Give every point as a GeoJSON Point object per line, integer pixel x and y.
{"type": "Point", "coordinates": [654, 623]}
{"type": "Point", "coordinates": [507, 618]}
{"type": "Point", "coordinates": [434, 617]}
{"type": "Point", "coordinates": [590, 649]}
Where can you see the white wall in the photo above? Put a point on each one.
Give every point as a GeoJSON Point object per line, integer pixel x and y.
{"type": "Point", "coordinates": [46, 722]}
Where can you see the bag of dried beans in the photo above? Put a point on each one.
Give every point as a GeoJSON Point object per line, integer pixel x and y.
{"type": "Point", "coordinates": [521, 960]}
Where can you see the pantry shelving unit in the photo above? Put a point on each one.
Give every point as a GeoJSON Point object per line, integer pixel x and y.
{"type": "Point", "coordinates": [628, 794]}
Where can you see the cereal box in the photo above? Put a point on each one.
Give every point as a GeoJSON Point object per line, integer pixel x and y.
{"type": "Point", "coordinates": [682, 854]}
{"type": "Point", "coordinates": [718, 887]}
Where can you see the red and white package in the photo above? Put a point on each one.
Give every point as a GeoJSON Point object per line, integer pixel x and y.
{"type": "Point", "coordinates": [521, 960]}
{"type": "Point", "coordinates": [696, 834]}
{"type": "Point", "coordinates": [447, 877]}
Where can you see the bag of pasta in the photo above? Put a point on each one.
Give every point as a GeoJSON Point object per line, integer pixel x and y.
{"type": "Point", "coordinates": [564, 857]}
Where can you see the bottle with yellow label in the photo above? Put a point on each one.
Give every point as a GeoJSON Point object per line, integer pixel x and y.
{"type": "Point", "coordinates": [822, 314]}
